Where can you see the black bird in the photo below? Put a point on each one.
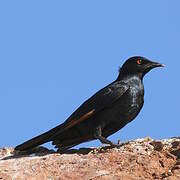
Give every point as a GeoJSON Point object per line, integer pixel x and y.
{"type": "Point", "coordinates": [106, 112]}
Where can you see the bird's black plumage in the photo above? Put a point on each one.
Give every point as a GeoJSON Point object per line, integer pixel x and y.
{"type": "Point", "coordinates": [105, 112]}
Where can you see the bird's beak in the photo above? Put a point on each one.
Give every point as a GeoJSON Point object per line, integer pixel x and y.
{"type": "Point", "coordinates": [154, 65]}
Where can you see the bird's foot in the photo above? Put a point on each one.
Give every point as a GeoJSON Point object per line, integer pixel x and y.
{"type": "Point", "coordinates": [119, 143]}
{"type": "Point", "coordinates": [116, 145]}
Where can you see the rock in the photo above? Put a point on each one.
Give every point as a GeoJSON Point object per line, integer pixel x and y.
{"type": "Point", "coordinates": [136, 160]}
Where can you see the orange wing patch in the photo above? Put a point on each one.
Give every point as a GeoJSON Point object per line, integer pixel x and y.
{"type": "Point", "coordinates": [76, 121]}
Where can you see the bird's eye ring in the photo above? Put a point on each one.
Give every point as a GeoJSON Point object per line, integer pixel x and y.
{"type": "Point", "coordinates": [139, 61]}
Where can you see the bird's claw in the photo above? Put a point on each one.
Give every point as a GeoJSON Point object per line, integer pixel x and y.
{"type": "Point", "coordinates": [119, 144]}
{"type": "Point", "coordinates": [116, 145]}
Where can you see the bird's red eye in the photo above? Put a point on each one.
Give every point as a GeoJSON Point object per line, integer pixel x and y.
{"type": "Point", "coordinates": [139, 61]}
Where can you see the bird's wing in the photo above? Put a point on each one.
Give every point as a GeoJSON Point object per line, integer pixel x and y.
{"type": "Point", "coordinates": [99, 101]}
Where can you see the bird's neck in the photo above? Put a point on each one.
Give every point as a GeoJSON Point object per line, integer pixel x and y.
{"type": "Point", "coordinates": [125, 76]}
{"type": "Point", "coordinates": [132, 80]}
{"type": "Point", "coordinates": [135, 82]}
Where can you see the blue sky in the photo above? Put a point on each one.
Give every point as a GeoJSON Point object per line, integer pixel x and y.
{"type": "Point", "coordinates": [56, 54]}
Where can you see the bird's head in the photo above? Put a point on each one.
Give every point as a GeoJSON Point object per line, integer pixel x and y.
{"type": "Point", "coordinates": [138, 65]}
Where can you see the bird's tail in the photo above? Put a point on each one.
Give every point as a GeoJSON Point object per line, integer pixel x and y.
{"type": "Point", "coordinates": [38, 140]}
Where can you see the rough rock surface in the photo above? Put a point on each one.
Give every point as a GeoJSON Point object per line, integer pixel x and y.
{"type": "Point", "coordinates": [140, 159]}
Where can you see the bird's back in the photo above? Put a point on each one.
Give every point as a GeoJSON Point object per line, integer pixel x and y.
{"type": "Point", "coordinates": [105, 112]}
{"type": "Point", "coordinates": [117, 115]}
{"type": "Point", "coordinates": [126, 108]}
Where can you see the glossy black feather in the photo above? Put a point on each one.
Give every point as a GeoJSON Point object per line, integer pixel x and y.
{"type": "Point", "coordinates": [105, 112]}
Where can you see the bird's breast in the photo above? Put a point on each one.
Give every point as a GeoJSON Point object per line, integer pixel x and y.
{"type": "Point", "coordinates": [136, 96]}
{"type": "Point", "coordinates": [133, 103]}
{"type": "Point", "coordinates": [128, 107]}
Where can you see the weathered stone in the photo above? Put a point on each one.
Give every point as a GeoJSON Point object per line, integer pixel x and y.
{"type": "Point", "coordinates": [136, 160]}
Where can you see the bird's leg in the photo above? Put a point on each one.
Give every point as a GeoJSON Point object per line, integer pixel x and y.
{"type": "Point", "coordinates": [98, 135]}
